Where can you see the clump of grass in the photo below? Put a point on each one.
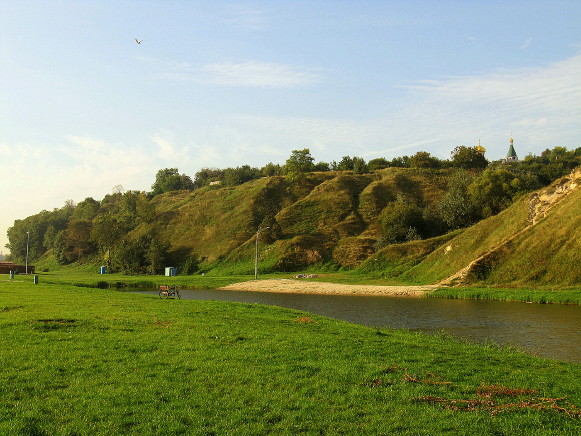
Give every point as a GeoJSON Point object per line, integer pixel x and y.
{"type": "Point", "coordinates": [542, 295]}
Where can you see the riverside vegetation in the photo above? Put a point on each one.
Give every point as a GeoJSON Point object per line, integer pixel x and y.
{"type": "Point", "coordinates": [90, 361]}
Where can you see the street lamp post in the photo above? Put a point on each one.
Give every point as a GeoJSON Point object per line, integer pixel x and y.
{"type": "Point", "coordinates": [27, 243]}
{"type": "Point", "coordinates": [256, 254]}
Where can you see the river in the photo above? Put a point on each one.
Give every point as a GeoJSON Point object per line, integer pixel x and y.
{"type": "Point", "coordinates": [547, 330]}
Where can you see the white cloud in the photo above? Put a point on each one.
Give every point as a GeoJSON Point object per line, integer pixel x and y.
{"type": "Point", "coordinates": [248, 74]}
{"type": "Point", "coordinates": [256, 74]}
{"type": "Point", "coordinates": [541, 106]}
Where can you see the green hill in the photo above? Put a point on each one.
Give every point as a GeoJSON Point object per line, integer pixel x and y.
{"type": "Point", "coordinates": [324, 218]}
{"type": "Point", "coordinates": [392, 223]}
{"type": "Point", "coordinates": [535, 241]}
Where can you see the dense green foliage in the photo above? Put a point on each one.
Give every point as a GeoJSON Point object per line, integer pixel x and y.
{"type": "Point", "coordinates": [91, 362]}
{"type": "Point", "coordinates": [468, 157]}
{"type": "Point", "coordinates": [299, 163]}
{"type": "Point", "coordinates": [169, 179]}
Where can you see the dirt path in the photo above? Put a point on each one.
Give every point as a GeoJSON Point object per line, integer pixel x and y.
{"type": "Point", "coordinates": [307, 287]}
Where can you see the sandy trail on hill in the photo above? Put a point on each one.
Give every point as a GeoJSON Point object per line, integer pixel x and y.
{"type": "Point", "coordinates": [307, 287]}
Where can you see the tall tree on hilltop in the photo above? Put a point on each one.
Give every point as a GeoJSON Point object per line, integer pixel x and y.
{"type": "Point", "coordinates": [299, 163]}
{"type": "Point", "coordinates": [169, 179]}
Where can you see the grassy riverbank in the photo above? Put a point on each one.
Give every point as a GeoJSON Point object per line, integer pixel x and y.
{"type": "Point", "coordinates": [91, 361]}
{"type": "Point", "coordinates": [545, 295]}
{"type": "Point", "coordinates": [86, 278]}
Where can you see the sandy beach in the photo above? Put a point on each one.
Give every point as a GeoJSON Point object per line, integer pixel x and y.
{"type": "Point", "coordinates": [307, 287]}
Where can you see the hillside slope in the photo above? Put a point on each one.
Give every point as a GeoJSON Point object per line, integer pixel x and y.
{"type": "Point", "coordinates": [535, 241]}
{"type": "Point", "coordinates": [326, 217]}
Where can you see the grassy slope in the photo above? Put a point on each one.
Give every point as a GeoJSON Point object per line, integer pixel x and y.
{"type": "Point", "coordinates": [546, 254]}
{"type": "Point", "coordinates": [211, 223]}
{"type": "Point", "coordinates": [470, 244]}
{"type": "Point", "coordinates": [395, 260]}
{"type": "Point", "coordinates": [81, 361]}
{"type": "Point", "coordinates": [549, 253]}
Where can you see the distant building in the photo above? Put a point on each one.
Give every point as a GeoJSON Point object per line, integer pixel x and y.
{"type": "Point", "coordinates": [511, 155]}
{"type": "Point", "coordinates": [7, 267]}
{"type": "Point", "coordinates": [480, 149]}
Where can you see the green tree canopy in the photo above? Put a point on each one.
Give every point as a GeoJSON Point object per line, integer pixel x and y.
{"type": "Point", "coordinates": [468, 157]}
{"type": "Point", "coordinates": [423, 159]}
{"type": "Point", "coordinates": [495, 189]}
{"type": "Point", "coordinates": [345, 164]}
{"type": "Point", "coordinates": [86, 209]}
{"type": "Point", "coordinates": [377, 164]}
{"type": "Point", "coordinates": [169, 179]}
{"type": "Point", "coordinates": [299, 163]}
{"type": "Point", "coordinates": [456, 208]}
{"type": "Point", "coordinates": [360, 166]}
{"type": "Point", "coordinates": [401, 221]}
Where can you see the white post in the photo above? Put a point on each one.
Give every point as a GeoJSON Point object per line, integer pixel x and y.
{"type": "Point", "coordinates": [256, 253]}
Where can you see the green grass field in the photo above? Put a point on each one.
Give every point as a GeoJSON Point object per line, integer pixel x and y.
{"type": "Point", "coordinates": [82, 361]}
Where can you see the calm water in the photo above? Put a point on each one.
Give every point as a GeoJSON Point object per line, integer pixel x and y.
{"type": "Point", "coordinates": [544, 329]}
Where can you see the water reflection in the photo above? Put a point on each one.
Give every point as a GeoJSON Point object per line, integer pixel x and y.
{"type": "Point", "coordinates": [547, 330]}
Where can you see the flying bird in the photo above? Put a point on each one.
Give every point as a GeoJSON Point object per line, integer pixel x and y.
{"type": "Point", "coordinates": [138, 41]}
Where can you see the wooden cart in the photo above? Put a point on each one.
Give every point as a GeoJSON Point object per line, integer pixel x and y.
{"type": "Point", "coordinates": [166, 291]}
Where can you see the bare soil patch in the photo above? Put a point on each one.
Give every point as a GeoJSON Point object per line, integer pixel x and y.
{"type": "Point", "coordinates": [308, 287]}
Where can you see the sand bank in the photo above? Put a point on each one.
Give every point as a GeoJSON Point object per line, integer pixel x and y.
{"type": "Point", "coordinates": [308, 287]}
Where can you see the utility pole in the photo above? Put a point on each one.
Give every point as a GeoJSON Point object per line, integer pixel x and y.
{"type": "Point", "coordinates": [256, 253]}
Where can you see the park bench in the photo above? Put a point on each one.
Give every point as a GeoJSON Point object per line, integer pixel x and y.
{"type": "Point", "coordinates": [169, 291]}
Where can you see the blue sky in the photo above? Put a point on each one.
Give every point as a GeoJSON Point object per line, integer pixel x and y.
{"type": "Point", "coordinates": [84, 108]}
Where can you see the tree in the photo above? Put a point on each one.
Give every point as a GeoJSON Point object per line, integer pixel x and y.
{"type": "Point", "coordinates": [207, 175]}
{"type": "Point", "coordinates": [401, 221]}
{"type": "Point", "coordinates": [86, 209]}
{"type": "Point", "coordinates": [49, 237]}
{"type": "Point", "coordinates": [345, 164]}
{"type": "Point", "coordinates": [270, 170]}
{"type": "Point", "coordinates": [456, 208]}
{"type": "Point", "coordinates": [423, 159]}
{"type": "Point", "coordinates": [108, 232]}
{"type": "Point", "coordinates": [144, 208]}
{"type": "Point", "coordinates": [169, 179]}
{"type": "Point", "coordinates": [377, 164]}
{"type": "Point", "coordinates": [360, 166]}
{"type": "Point", "coordinates": [62, 252]}
{"type": "Point", "coordinates": [322, 166]}
{"type": "Point", "coordinates": [155, 255]}
{"type": "Point", "coordinates": [495, 189]}
{"type": "Point", "coordinates": [78, 238]}
{"type": "Point", "coordinates": [468, 157]}
{"type": "Point", "coordinates": [239, 175]}
{"type": "Point", "coordinates": [401, 162]}
{"type": "Point", "coordinates": [299, 163]}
